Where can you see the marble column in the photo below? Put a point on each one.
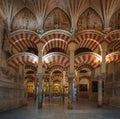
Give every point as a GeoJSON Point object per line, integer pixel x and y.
{"type": "Point", "coordinates": [1, 39]}
{"type": "Point", "coordinates": [71, 75]}
{"type": "Point", "coordinates": [77, 79]}
{"type": "Point", "coordinates": [39, 92]}
{"type": "Point", "coordinates": [102, 75]}
{"type": "Point", "coordinates": [90, 84]}
{"type": "Point", "coordinates": [63, 85]}
{"type": "Point", "coordinates": [40, 77]}
{"type": "Point", "coordinates": [70, 90]}
{"type": "Point", "coordinates": [50, 87]}
{"type": "Point", "coordinates": [100, 94]}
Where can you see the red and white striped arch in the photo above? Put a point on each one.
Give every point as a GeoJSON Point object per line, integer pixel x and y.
{"type": "Point", "coordinates": [30, 68]}
{"type": "Point", "coordinates": [114, 56]}
{"type": "Point", "coordinates": [21, 40]}
{"type": "Point", "coordinates": [56, 58]}
{"type": "Point", "coordinates": [57, 67]}
{"type": "Point", "coordinates": [55, 43]}
{"type": "Point", "coordinates": [113, 38]}
{"type": "Point", "coordinates": [89, 39]}
{"type": "Point", "coordinates": [56, 77]}
{"type": "Point", "coordinates": [21, 59]}
{"type": "Point", "coordinates": [88, 58]}
{"type": "Point", "coordinates": [57, 37]}
{"type": "Point", "coordinates": [115, 45]}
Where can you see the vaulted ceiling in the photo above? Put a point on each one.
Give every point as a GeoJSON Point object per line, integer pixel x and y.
{"type": "Point", "coordinates": [67, 14]}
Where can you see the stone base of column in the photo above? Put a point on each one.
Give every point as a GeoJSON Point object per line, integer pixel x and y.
{"type": "Point", "coordinates": [39, 102]}
{"type": "Point", "coordinates": [39, 105]}
{"type": "Point", "coordinates": [99, 105]}
{"type": "Point", "coordinates": [70, 106]}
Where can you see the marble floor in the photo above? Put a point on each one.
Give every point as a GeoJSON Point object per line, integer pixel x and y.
{"type": "Point", "coordinates": [57, 110]}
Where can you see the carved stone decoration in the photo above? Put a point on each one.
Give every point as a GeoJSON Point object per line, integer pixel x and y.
{"type": "Point", "coordinates": [24, 20]}
{"type": "Point", "coordinates": [89, 20]}
{"type": "Point", "coordinates": [115, 20]}
{"type": "Point", "coordinates": [57, 19]}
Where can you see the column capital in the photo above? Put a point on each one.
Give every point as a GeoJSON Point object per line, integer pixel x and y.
{"type": "Point", "coordinates": [101, 76]}
{"type": "Point", "coordinates": [40, 76]}
{"type": "Point", "coordinates": [40, 46]}
{"type": "Point", "coordinates": [71, 76]}
{"type": "Point", "coordinates": [72, 46]}
{"type": "Point", "coordinates": [104, 46]}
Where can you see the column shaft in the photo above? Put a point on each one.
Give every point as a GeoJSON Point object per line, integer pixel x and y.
{"type": "Point", "coordinates": [40, 93]}
{"type": "Point", "coordinates": [40, 77]}
{"type": "Point", "coordinates": [102, 78]}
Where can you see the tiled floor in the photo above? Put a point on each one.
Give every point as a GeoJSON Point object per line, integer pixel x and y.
{"type": "Point", "coordinates": [57, 110]}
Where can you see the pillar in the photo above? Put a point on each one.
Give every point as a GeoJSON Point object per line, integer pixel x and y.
{"type": "Point", "coordinates": [102, 75]}
{"type": "Point", "coordinates": [50, 87]}
{"type": "Point", "coordinates": [100, 100]}
{"type": "Point", "coordinates": [71, 75]}
{"type": "Point", "coordinates": [1, 39]}
{"type": "Point", "coordinates": [63, 85]}
{"type": "Point", "coordinates": [21, 74]}
{"type": "Point", "coordinates": [40, 77]}
{"type": "Point", "coordinates": [90, 84]}
{"type": "Point", "coordinates": [77, 78]}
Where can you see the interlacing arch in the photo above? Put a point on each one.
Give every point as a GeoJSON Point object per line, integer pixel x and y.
{"type": "Point", "coordinates": [88, 58]}
{"type": "Point", "coordinates": [91, 39]}
{"type": "Point", "coordinates": [22, 39]}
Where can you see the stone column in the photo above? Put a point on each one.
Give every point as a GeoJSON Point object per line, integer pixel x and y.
{"type": "Point", "coordinates": [39, 93]}
{"type": "Point", "coordinates": [90, 84]}
{"type": "Point", "coordinates": [40, 77]}
{"type": "Point", "coordinates": [50, 87]}
{"type": "Point", "coordinates": [63, 85]}
{"type": "Point", "coordinates": [70, 90]}
{"type": "Point", "coordinates": [20, 74]}
{"type": "Point", "coordinates": [102, 75]}
{"type": "Point", "coordinates": [1, 39]}
{"type": "Point", "coordinates": [77, 78]}
{"type": "Point", "coordinates": [71, 75]}
{"type": "Point", "coordinates": [100, 100]}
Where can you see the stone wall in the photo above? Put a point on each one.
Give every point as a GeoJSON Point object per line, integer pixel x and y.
{"type": "Point", "coordinates": [112, 85]}
{"type": "Point", "coordinates": [12, 95]}
{"type": "Point", "coordinates": [12, 91]}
